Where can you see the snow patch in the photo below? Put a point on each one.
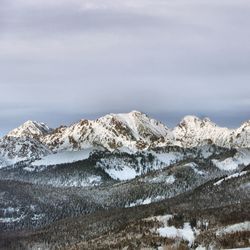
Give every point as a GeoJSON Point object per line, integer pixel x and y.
{"type": "Point", "coordinates": [239, 227]}
{"type": "Point", "coordinates": [145, 201]}
{"type": "Point", "coordinates": [12, 219]}
{"type": "Point", "coordinates": [185, 233]}
{"type": "Point", "coordinates": [122, 174]}
{"type": "Point", "coordinates": [230, 177]}
{"type": "Point", "coordinates": [37, 217]}
{"type": "Point", "coordinates": [169, 158]}
{"type": "Point", "coordinates": [245, 248]}
{"type": "Point", "coordinates": [163, 179]}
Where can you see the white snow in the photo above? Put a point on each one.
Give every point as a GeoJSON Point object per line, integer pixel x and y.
{"type": "Point", "coordinates": [193, 131]}
{"type": "Point", "coordinates": [7, 212]}
{"type": "Point", "coordinates": [185, 233]}
{"type": "Point", "coordinates": [242, 157]}
{"type": "Point", "coordinates": [122, 174]}
{"type": "Point", "coordinates": [245, 248]}
{"type": "Point", "coordinates": [170, 179]}
{"type": "Point", "coordinates": [76, 182]}
{"type": "Point", "coordinates": [37, 217]}
{"type": "Point", "coordinates": [11, 219]}
{"type": "Point", "coordinates": [206, 151]}
{"type": "Point", "coordinates": [239, 227]}
{"type": "Point", "coordinates": [137, 129]}
{"type": "Point", "coordinates": [135, 119]}
{"type": "Point", "coordinates": [105, 133]}
{"type": "Point", "coordinates": [230, 177]}
{"type": "Point", "coordinates": [129, 119]}
{"type": "Point", "coordinates": [30, 129]}
{"type": "Point", "coordinates": [200, 247]}
{"type": "Point", "coordinates": [169, 158]}
{"type": "Point", "coordinates": [63, 157]}
{"type": "Point", "coordinates": [29, 168]}
{"type": "Point", "coordinates": [145, 201]}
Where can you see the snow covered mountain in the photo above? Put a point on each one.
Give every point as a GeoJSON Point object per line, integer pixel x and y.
{"type": "Point", "coordinates": [193, 131]}
{"type": "Point", "coordinates": [23, 143]}
{"type": "Point", "coordinates": [30, 129]}
{"type": "Point", "coordinates": [129, 133]}
{"type": "Point", "coordinates": [18, 149]}
{"type": "Point", "coordinates": [241, 136]}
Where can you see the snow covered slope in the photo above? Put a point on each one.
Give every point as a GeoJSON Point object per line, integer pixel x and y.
{"type": "Point", "coordinates": [63, 157]}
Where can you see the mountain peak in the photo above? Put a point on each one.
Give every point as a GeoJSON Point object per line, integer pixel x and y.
{"type": "Point", "coordinates": [245, 124]}
{"type": "Point", "coordinates": [193, 131]}
{"type": "Point", "coordinates": [30, 129]}
{"type": "Point", "coordinates": [131, 113]}
{"type": "Point", "coordinates": [207, 119]}
{"type": "Point", "coordinates": [191, 120]}
{"type": "Point", "coordinates": [136, 112]}
{"type": "Point", "coordinates": [31, 123]}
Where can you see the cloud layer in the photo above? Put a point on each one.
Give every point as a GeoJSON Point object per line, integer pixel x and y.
{"type": "Point", "coordinates": [62, 60]}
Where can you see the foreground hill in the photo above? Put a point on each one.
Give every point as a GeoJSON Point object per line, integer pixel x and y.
{"type": "Point", "coordinates": [189, 220]}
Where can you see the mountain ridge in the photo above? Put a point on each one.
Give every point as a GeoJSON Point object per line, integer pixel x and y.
{"type": "Point", "coordinates": [126, 132]}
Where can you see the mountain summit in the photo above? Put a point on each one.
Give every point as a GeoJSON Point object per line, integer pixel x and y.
{"type": "Point", "coordinates": [30, 129]}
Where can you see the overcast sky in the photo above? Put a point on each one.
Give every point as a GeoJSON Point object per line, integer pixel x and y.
{"type": "Point", "coordinates": [62, 60]}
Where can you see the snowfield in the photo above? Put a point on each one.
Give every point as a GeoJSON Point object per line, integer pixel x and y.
{"type": "Point", "coordinates": [63, 157]}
